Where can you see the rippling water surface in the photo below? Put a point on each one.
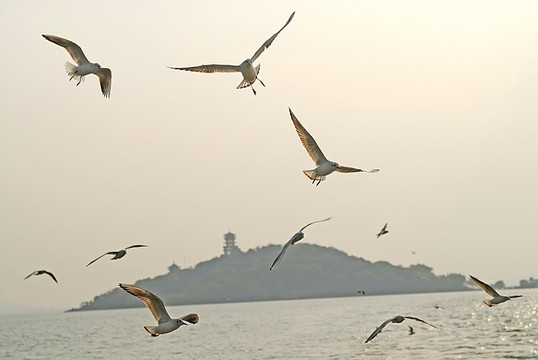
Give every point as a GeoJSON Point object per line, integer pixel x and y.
{"type": "Point", "coordinates": [296, 329]}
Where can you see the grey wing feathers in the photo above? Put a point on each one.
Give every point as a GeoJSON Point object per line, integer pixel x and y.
{"type": "Point", "coordinates": [153, 302]}
{"type": "Point", "coordinates": [191, 318]}
{"type": "Point", "coordinates": [488, 289]}
{"type": "Point", "coordinates": [420, 320]}
{"type": "Point", "coordinates": [378, 330]}
{"type": "Point", "coordinates": [73, 49]}
{"type": "Point", "coordinates": [35, 272]}
{"type": "Point", "coordinates": [269, 41]}
{"type": "Point", "coordinates": [212, 68]}
{"type": "Point", "coordinates": [51, 275]}
{"type": "Point", "coordinates": [346, 169]}
{"type": "Point", "coordinates": [313, 222]}
{"type": "Point", "coordinates": [308, 141]}
{"type": "Point", "coordinates": [108, 253]}
{"type": "Point", "coordinates": [105, 79]}
{"type": "Point", "coordinates": [135, 246]}
{"type": "Point", "coordinates": [280, 255]}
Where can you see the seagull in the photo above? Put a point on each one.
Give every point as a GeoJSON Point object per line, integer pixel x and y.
{"type": "Point", "coordinates": [298, 236]}
{"type": "Point", "coordinates": [411, 331]}
{"type": "Point", "coordinates": [397, 319]}
{"type": "Point", "coordinates": [41, 272]}
{"type": "Point", "coordinates": [361, 292]}
{"type": "Point", "coordinates": [117, 254]}
{"type": "Point", "coordinates": [497, 299]}
{"type": "Point", "coordinates": [324, 166]}
{"type": "Point", "coordinates": [246, 68]}
{"type": "Point", "coordinates": [383, 231]}
{"type": "Point", "coordinates": [83, 66]}
{"type": "Point", "coordinates": [165, 323]}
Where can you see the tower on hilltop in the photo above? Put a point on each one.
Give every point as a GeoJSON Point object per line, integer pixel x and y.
{"type": "Point", "coordinates": [229, 244]}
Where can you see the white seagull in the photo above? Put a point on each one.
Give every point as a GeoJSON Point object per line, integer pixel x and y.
{"type": "Point", "coordinates": [165, 323]}
{"type": "Point", "coordinates": [324, 166]}
{"type": "Point", "coordinates": [497, 299]}
{"type": "Point", "coordinates": [83, 66]}
{"type": "Point", "coordinates": [117, 254]}
{"type": "Point", "coordinates": [383, 231]}
{"type": "Point", "coordinates": [298, 236]}
{"type": "Point", "coordinates": [41, 272]}
{"type": "Point", "coordinates": [246, 68]}
{"type": "Point", "coordinates": [397, 319]}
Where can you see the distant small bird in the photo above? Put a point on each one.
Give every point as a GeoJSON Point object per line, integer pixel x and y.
{"type": "Point", "coordinates": [361, 292]}
{"type": "Point", "coordinates": [413, 252]}
{"type": "Point", "coordinates": [165, 323]}
{"type": "Point", "coordinates": [397, 319]}
{"type": "Point", "coordinates": [117, 254]}
{"type": "Point", "coordinates": [298, 236]}
{"type": "Point", "coordinates": [383, 231]}
{"type": "Point", "coordinates": [246, 68]}
{"type": "Point", "coordinates": [411, 331]}
{"type": "Point", "coordinates": [497, 299]}
{"type": "Point", "coordinates": [324, 166]}
{"type": "Point", "coordinates": [83, 66]}
{"type": "Point", "coordinates": [41, 272]}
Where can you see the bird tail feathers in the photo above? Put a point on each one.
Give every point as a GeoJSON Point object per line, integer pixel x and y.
{"type": "Point", "coordinates": [71, 69]}
{"type": "Point", "coordinates": [151, 330]}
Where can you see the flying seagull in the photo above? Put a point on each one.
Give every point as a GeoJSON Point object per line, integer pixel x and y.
{"type": "Point", "coordinates": [324, 166]}
{"type": "Point", "coordinates": [397, 319]}
{"type": "Point", "coordinates": [41, 272]}
{"type": "Point", "coordinates": [246, 68]}
{"type": "Point", "coordinates": [83, 66]}
{"type": "Point", "coordinates": [298, 236]}
{"type": "Point", "coordinates": [411, 331]}
{"type": "Point", "coordinates": [383, 231]}
{"type": "Point", "coordinates": [497, 299]}
{"type": "Point", "coordinates": [165, 323]}
{"type": "Point", "coordinates": [117, 254]}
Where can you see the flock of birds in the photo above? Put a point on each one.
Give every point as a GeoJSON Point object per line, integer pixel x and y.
{"type": "Point", "coordinates": [324, 167]}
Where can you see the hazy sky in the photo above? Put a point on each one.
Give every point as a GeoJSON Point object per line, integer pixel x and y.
{"type": "Point", "coordinates": [441, 96]}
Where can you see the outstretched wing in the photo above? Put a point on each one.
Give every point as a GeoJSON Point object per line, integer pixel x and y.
{"type": "Point", "coordinates": [308, 141]}
{"type": "Point", "coordinates": [488, 289]}
{"type": "Point", "coordinates": [420, 320]}
{"type": "Point", "coordinates": [191, 318]}
{"type": "Point", "coordinates": [153, 302]}
{"type": "Point", "coordinates": [135, 246]}
{"type": "Point", "coordinates": [105, 79]}
{"type": "Point", "coordinates": [281, 255]}
{"type": "Point", "coordinates": [51, 275]}
{"type": "Point", "coordinates": [108, 253]}
{"type": "Point", "coordinates": [313, 222]}
{"type": "Point", "coordinates": [212, 68]}
{"type": "Point", "coordinates": [73, 49]}
{"type": "Point", "coordinates": [378, 330]}
{"type": "Point", "coordinates": [346, 169]}
{"type": "Point", "coordinates": [270, 40]}
{"type": "Point", "coordinates": [35, 272]}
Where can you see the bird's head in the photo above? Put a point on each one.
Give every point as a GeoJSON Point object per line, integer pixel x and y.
{"type": "Point", "coordinates": [335, 165]}
{"type": "Point", "coordinates": [98, 66]}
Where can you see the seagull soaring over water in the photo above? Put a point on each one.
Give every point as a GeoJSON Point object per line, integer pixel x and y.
{"type": "Point", "coordinates": [324, 166]}
{"type": "Point", "coordinates": [83, 66]}
{"type": "Point", "coordinates": [246, 68]}
{"type": "Point", "coordinates": [41, 272]}
{"type": "Point", "coordinates": [117, 254]}
{"type": "Point", "coordinates": [298, 236]}
{"type": "Point", "coordinates": [165, 323]}
{"type": "Point", "coordinates": [397, 319]}
{"type": "Point", "coordinates": [497, 299]}
{"type": "Point", "coordinates": [383, 231]}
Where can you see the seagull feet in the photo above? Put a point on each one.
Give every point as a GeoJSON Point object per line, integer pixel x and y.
{"type": "Point", "coordinates": [254, 91]}
{"type": "Point", "coordinates": [79, 80]}
{"type": "Point", "coordinates": [261, 82]}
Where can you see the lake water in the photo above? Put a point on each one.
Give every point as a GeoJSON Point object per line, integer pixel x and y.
{"type": "Point", "coordinates": [297, 329]}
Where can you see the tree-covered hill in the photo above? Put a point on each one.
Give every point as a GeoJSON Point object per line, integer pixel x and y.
{"type": "Point", "coordinates": [307, 271]}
